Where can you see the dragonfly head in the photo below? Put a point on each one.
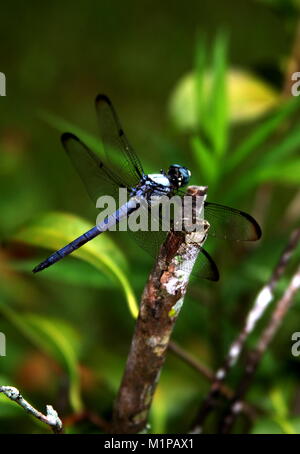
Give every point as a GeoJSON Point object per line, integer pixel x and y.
{"type": "Point", "coordinates": [178, 175]}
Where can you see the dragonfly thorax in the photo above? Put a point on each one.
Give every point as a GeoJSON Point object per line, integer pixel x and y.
{"type": "Point", "coordinates": [176, 177]}
{"type": "Point", "coordinates": [160, 179]}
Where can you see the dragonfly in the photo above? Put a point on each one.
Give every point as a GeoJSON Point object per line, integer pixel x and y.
{"type": "Point", "coordinates": [126, 171]}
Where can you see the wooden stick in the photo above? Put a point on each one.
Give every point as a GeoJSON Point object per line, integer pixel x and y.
{"type": "Point", "coordinates": [160, 306]}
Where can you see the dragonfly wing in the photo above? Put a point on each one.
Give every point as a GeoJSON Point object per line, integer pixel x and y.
{"type": "Point", "coordinates": [97, 178]}
{"type": "Point", "coordinates": [205, 267]}
{"type": "Point", "coordinates": [151, 241]}
{"type": "Point", "coordinates": [120, 153]}
{"type": "Point", "coordinates": [229, 223]}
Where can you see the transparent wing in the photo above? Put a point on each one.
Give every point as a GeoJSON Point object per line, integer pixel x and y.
{"type": "Point", "coordinates": [205, 267]}
{"type": "Point", "coordinates": [122, 159]}
{"type": "Point", "coordinates": [151, 241]}
{"type": "Point", "coordinates": [229, 223]}
{"type": "Point", "coordinates": [97, 178]}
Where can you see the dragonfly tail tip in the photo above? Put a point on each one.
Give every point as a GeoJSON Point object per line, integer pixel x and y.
{"type": "Point", "coordinates": [38, 268]}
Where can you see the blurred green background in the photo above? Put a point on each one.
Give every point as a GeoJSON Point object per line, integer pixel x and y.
{"type": "Point", "coordinates": [204, 84]}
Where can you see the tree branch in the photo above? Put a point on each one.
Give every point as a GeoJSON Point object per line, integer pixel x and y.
{"type": "Point", "coordinates": [262, 301]}
{"type": "Point", "coordinates": [254, 357]}
{"type": "Point", "coordinates": [227, 392]}
{"type": "Point", "coordinates": [51, 418]}
{"type": "Point", "coordinates": [160, 306]}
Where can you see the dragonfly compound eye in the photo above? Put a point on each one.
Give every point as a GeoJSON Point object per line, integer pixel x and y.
{"type": "Point", "coordinates": [179, 175]}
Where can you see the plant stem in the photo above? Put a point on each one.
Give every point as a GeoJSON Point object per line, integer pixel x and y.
{"type": "Point", "coordinates": [261, 303]}
{"type": "Point", "coordinates": [160, 306]}
{"type": "Point", "coordinates": [51, 418]}
{"type": "Point", "coordinates": [254, 356]}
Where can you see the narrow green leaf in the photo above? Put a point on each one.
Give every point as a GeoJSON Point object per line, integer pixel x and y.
{"type": "Point", "coordinates": [47, 335]}
{"type": "Point", "coordinates": [55, 331]}
{"type": "Point", "coordinates": [260, 134]}
{"type": "Point", "coordinates": [90, 140]}
{"type": "Point", "coordinates": [8, 408]}
{"type": "Point", "coordinates": [283, 150]}
{"type": "Point", "coordinates": [206, 161]}
{"type": "Point", "coordinates": [159, 413]}
{"type": "Point", "coordinates": [217, 112]}
{"type": "Point", "coordinates": [281, 411]}
{"type": "Point", "coordinates": [73, 272]}
{"type": "Point", "coordinates": [288, 173]}
{"type": "Point", "coordinates": [199, 78]}
{"type": "Point", "coordinates": [266, 426]}
{"type": "Point", "coordinates": [284, 172]}
{"type": "Point", "coordinates": [55, 230]}
{"type": "Point", "coordinates": [64, 126]}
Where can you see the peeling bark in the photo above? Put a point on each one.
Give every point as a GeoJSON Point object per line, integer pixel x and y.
{"type": "Point", "coordinates": [160, 306]}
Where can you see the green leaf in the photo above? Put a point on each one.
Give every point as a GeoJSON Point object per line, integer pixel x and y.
{"type": "Point", "coordinates": [272, 165]}
{"type": "Point", "coordinates": [287, 172]}
{"type": "Point", "coordinates": [217, 111]}
{"type": "Point", "coordinates": [245, 98]}
{"type": "Point", "coordinates": [206, 161]}
{"type": "Point", "coordinates": [266, 426]}
{"type": "Point", "coordinates": [159, 412]}
{"type": "Point", "coordinates": [279, 403]}
{"type": "Point", "coordinates": [53, 337]}
{"type": "Point", "coordinates": [62, 338]}
{"type": "Point", "coordinates": [92, 142]}
{"type": "Point", "coordinates": [199, 78]}
{"type": "Point", "coordinates": [283, 150]}
{"type": "Point", "coordinates": [260, 134]}
{"type": "Point", "coordinates": [54, 230]}
{"type": "Point", "coordinates": [183, 109]}
{"type": "Point", "coordinates": [281, 411]}
{"type": "Point", "coordinates": [62, 125]}
{"type": "Point", "coordinates": [8, 409]}
{"type": "Point", "coordinates": [169, 401]}
{"type": "Point", "coordinates": [73, 272]}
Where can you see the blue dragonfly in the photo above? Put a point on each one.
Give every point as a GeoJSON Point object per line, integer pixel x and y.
{"type": "Point", "coordinates": [102, 179]}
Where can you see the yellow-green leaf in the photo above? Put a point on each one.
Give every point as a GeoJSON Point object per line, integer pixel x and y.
{"type": "Point", "coordinates": [54, 230]}
{"type": "Point", "coordinates": [53, 337]}
{"type": "Point", "coordinates": [63, 340]}
{"type": "Point", "coordinates": [249, 97]}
